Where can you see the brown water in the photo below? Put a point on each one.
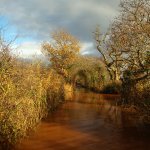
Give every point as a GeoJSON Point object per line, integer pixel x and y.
{"type": "Point", "coordinates": [89, 122]}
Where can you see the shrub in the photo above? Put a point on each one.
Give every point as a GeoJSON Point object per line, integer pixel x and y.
{"type": "Point", "coordinates": [26, 89]}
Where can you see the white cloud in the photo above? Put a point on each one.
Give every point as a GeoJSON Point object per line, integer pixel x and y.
{"type": "Point", "coordinates": [28, 49]}
{"type": "Point", "coordinates": [88, 48]}
{"type": "Point", "coordinates": [85, 47]}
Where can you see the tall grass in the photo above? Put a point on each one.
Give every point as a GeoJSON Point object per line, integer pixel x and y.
{"type": "Point", "coordinates": [27, 92]}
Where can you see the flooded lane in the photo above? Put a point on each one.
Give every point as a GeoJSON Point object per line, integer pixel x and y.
{"type": "Point", "coordinates": [89, 122]}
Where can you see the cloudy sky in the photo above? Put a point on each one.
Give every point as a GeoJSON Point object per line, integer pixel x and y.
{"type": "Point", "coordinates": [34, 20]}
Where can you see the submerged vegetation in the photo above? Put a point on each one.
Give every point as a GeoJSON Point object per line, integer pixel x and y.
{"type": "Point", "coordinates": [29, 90]}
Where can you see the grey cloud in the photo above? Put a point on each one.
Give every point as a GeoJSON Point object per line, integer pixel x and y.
{"type": "Point", "coordinates": [37, 18]}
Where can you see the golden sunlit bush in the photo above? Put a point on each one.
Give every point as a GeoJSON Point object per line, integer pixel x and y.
{"type": "Point", "coordinates": [55, 90]}
{"type": "Point", "coordinates": [68, 91]}
{"type": "Point", "coordinates": [27, 92]}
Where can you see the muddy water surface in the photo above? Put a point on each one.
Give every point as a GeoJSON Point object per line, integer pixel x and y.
{"type": "Point", "coordinates": [89, 122]}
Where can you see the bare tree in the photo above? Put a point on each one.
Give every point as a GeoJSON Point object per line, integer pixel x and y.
{"type": "Point", "coordinates": [132, 31]}
{"type": "Point", "coordinates": [109, 53]}
{"type": "Point", "coordinates": [127, 44]}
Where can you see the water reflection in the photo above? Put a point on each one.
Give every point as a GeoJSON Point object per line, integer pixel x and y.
{"type": "Point", "coordinates": [90, 122]}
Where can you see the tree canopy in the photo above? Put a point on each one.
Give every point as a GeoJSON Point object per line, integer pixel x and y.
{"type": "Point", "coordinates": [62, 51]}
